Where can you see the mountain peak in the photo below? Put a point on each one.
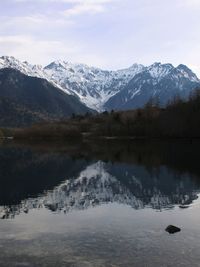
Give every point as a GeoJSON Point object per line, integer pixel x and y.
{"type": "Point", "coordinates": [56, 64]}
{"type": "Point", "coordinates": [8, 58]}
{"type": "Point", "coordinates": [155, 64]}
{"type": "Point", "coordinates": [66, 64]}
{"type": "Point", "coordinates": [28, 69]}
{"type": "Point", "coordinates": [187, 73]}
{"type": "Point", "coordinates": [158, 70]}
{"type": "Point", "coordinates": [95, 86]}
{"type": "Point", "coordinates": [182, 66]}
{"type": "Point", "coordinates": [6, 61]}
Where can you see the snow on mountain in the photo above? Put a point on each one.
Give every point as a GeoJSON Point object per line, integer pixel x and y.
{"type": "Point", "coordinates": [185, 72]}
{"type": "Point", "coordinates": [28, 69]}
{"type": "Point", "coordinates": [24, 67]}
{"type": "Point", "coordinates": [102, 89]}
{"type": "Point", "coordinates": [158, 70]}
{"type": "Point", "coordinates": [92, 85]}
{"type": "Point", "coordinates": [160, 81]}
{"type": "Point", "coordinates": [96, 87]}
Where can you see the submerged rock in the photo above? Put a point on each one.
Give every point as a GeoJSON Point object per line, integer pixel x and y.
{"type": "Point", "coordinates": [183, 207]}
{"type": "Point", "coordinates": [25, 210]}
{"type": "Point", "coordinates": [171, 229]}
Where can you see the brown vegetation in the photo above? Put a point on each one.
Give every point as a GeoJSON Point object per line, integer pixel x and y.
{"type": "Point", "coordinates": [180, 119]}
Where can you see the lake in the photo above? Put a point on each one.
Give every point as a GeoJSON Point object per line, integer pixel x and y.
{"type": "Point", "coordinates": [100, 204]}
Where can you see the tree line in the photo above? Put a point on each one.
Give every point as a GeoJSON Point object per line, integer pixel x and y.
{"type": "Point", "coordinates": [179, 119]}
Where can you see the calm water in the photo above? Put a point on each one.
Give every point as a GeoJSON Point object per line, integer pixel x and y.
{"type": "Point", "coordinates": [100, 205]}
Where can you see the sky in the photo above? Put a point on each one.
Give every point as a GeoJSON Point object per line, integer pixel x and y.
{"type": "Point", "coordinates": [110, 34]}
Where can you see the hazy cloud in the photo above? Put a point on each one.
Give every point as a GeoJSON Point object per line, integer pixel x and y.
{"type": "Point", "coordinates": [33, 50]}
{"type": "Point", "coordinates": [106, 33]}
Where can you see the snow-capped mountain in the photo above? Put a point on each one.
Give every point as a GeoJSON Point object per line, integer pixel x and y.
{"type": "Point", "coordinates": [92, 85]}
{"type": "Point", "coordinates": [24, 67]}
{"type": "Point", "coordinates": [28, 69]}
{"type": "Point", "coordinates": [100, 89]}
{"type": "Point", "coordinates": [159, 81]}
{"type": "Point", "coordinates": [105, 90]}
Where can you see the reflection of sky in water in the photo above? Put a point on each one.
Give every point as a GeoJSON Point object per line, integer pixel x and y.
{"type": "Point", "coordinates": [102, 235]}
{"type": "Point", "coordinates": [98, 214]}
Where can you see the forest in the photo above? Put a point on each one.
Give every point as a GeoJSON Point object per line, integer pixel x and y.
{"type": "Point", "coordinates": [178, 119]}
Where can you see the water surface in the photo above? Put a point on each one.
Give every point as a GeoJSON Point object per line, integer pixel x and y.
{"type": "Point", "coordinates": [102, 204]}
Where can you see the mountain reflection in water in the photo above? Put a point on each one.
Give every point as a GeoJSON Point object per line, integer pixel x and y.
{"type": "Point", "coordinates": [157, 175]}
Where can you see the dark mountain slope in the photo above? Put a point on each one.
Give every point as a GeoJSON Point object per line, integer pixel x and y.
{"type": "Point", "coordinates": [25, 99]}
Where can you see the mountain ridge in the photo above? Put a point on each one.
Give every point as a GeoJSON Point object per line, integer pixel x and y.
{"type": "Point", "coordinates": [106, 89]}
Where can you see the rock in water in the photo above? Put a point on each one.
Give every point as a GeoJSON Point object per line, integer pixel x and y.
{"type": "Point", "coordinates": [171, 229]}
{"type": "Point", "coordinates": [183, 207]}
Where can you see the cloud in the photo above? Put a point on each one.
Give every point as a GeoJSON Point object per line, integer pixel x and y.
{"type": "Point", "coordinates": [68, 1]}
{"type": "Point", "coordinates": [27, 48]}
{"type": "Point", "coordinates": [190, 4]}
{"type": "Point", "coordinates": [86, 7]}
{"type": "Point", "coordinates": [74, 7]}
{"type": "Point", "coordinates": [29, 23]}
{"type": "Point", "coordinates": [107, 33]}
{"type": "Point", "coordinates": [34, 50]}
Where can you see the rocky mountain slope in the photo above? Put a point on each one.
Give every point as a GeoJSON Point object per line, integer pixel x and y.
{"type": "Point", "coordinates": [93, 85]}
{"type": "Point", "coordinates": [105, 90]}
{"type": "Point", "coordinates": [159, 82]}
{"type": "Point", "coordinates": [25, 100]}
{"type": "Point", "coordinates": [123, 89]}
